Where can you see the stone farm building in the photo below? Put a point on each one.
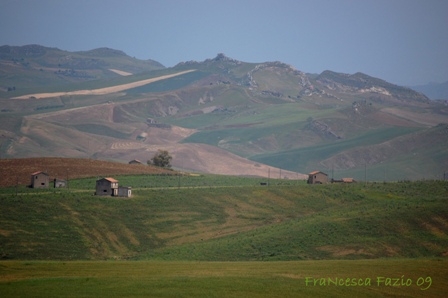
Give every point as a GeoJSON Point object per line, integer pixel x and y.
{"type": "Point", "coordinates": [317, 177]}
{"type": "Point", "coordinates": [40, 180]}
{"type": "Point", "coordinates": [59, 183]}
{"type": "Point", "coordinates": [135, 162]}
{"type": "Point", "coordinates": [109, 187]}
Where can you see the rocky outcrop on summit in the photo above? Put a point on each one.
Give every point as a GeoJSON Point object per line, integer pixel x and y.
{"type": "Point", "coordinates": [224, 58]}
{"type": "Point", "coordinates": [15, 52]}
{"type": "Point", "coordinates": [362, 83]}
{"type": "Point", "coordinates": [104, 52]}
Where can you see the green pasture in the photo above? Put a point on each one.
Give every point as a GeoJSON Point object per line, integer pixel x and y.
{"type": "Point", "coordinates": [261, 114]}
{"type": "Point", "coordinates": [223, 236]}
{"type": "Point", "coordinates": [362, 278]}
{"type": "Point", "coordinates": [307, 159]}
{"type": "Point", "coordinates": [142, 182]}
{"type": "Point", "coordinates": [171, 84]}
{"type": "Point", "coordinates": [287, 220]}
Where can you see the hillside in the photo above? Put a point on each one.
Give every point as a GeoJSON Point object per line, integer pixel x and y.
{"type": "Point", "coordinates": [226, 223]}
{"type": "Point", "coordinates": [19, 171]}
{"type": "Point", "coordinates": [227, 116]}
{"type": "Point", "coordinates": [31, 66]}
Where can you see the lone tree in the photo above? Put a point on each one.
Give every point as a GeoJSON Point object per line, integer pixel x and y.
{"type": "Point", "coordinates": [161, 159]}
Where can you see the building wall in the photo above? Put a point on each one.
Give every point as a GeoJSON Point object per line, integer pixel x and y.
{"type": "Point", "coordinates": [317, 178]}
{"type": "Point", "coordinates": [124, 192]}
{"type": "Point", "coordinates": [40, 180]}
{"type": "Point", "coordinates": [106, 188]}
{"type": "Point", "coordinates": [59, 183]}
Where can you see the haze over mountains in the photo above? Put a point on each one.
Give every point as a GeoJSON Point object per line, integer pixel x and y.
{"type": "Point", "coordinates": [220, 115]}
{"type": "Point", "coordinates": [434, 90]}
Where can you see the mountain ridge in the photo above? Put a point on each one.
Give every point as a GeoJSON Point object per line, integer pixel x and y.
{"type": "Point", "coordinates": [256, 114]}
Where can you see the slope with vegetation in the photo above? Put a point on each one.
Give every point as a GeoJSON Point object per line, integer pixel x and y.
{"type": "Point", "coordinates": [210, 218]}
{"type": "Point", "coordinates": [252, 113]}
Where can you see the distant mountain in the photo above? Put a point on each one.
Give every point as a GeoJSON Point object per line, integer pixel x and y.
{"type": "Point", "coordinates": [220, 115]}
{"type": "Point", "coordinates": [34, 65]}
{"type": "Point", "coordinates": [434, 90]}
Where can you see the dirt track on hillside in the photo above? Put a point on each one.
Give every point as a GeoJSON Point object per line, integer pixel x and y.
{"type": "Point", "coordinates": [106, 90]}
{"type": "Point", "coordinates": [428, 119]}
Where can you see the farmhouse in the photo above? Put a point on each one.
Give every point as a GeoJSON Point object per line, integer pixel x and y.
{"type": "Point", "coordinates": [317, 177]}
{"type": "Point", "coordinates": [109, 187]}
{"type": "Point", "coordinates": [40, 180]}
{"type": "Point", "coordinates": [106, 187]}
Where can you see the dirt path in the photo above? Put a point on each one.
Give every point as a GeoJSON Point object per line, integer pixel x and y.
{"type": "Point", "coordinates": [428, 119]}
{"type": "Point", "coordinates": [120, 72]}
{"type": "Point", "coordinates": [106, 90]}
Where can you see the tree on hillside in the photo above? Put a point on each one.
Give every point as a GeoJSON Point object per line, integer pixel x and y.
{"type": "Point", "coordinates": [162, 159]}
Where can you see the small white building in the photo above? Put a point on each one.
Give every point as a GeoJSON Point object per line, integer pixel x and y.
{"type": "Point", "coordinates": [125, 191]}
{"type": "Point", "coordinates": [59, 183]}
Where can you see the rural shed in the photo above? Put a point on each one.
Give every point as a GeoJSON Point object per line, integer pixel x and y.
{"type": "Point", "coordinates": [125, 191]}
{"type": "Point", "coordinates": [40, 180]}
{"type": "Point", "coordinates": [59, 183]}
{"type": "Point", "coordinates": [106, 187]}
{"type": "Point", "coordinates": [317, 177]}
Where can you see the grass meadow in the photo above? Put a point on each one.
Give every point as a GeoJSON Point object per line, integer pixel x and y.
{"type": "Point", "coordinates": [362, 278]}
{"type": "Point", "coordinates": [220, 236]}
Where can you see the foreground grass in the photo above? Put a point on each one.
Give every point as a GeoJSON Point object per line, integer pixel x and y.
{"type": "Point", "coordinates": [367, 278]}
{"type": "Point", "coordinates": [244, 223]}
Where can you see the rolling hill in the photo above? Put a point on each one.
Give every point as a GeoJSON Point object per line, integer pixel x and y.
{"type": "Point", "coordinates": [226, 223]}
{"type": "Point", "coordinates": [25, 67]}
{"type": "Point", "coordinates": [221, 115]}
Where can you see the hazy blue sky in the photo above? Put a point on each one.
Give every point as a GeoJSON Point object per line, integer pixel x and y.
{"type": "Point", "coordinates": [402, 41]}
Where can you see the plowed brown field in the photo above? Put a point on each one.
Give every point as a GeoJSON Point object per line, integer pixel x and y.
{"type": "Point", "coordinates": [63, 168]}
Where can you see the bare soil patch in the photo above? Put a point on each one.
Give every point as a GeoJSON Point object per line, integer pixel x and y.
{"type": "Point", "coordinates": [21, 169]}
{"type": "Point", "coordinates": [120, 72]}
{"type": "Point", "coordinates": [106, 90]}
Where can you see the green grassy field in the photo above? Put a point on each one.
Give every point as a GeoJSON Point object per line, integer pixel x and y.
{"type": "Point", "coordinates": [309, 158]}
{"type": "Point", "coordinates": [363, 278]}
{"type": "Point", "coordinates": [206, 218]}
{"type": "Point", "coordinates": [222, 236]}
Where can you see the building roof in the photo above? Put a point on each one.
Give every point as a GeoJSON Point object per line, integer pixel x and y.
{"type": "Point", "coordinates": [110, 180]}
{"type": "Point", "coordinates": [39, 172]}
{"type": "Point", "coordinates": [348, 180]}
{"type": "Point", "coordinates": [135, 160]}
{"type": "Point", "coordinates": [316, 172]}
